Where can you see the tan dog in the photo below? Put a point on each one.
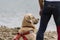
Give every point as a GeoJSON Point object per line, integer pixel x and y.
{"type": "Point", "coordinates": [28, 25]}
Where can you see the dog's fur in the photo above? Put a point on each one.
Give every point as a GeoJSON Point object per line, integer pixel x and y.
{"type": "Point", "coordinates": [28, 24]}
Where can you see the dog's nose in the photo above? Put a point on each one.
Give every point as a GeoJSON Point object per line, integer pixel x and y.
{"type": "Point", "coordinates": [38, 19]}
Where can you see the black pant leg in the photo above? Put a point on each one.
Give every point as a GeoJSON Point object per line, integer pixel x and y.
{"type": "Point", "coordinates": [56, 15]}
{"type": "Point", "coordinates": [43, 23]}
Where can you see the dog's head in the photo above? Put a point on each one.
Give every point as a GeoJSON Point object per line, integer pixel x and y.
{"type": "Point", "coordinates": [28, 22]}
{"type": "Point", "coordinates": [29, 18]}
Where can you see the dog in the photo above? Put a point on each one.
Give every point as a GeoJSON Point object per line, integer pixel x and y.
{"type": "Point", "coordinates": [27, 31]}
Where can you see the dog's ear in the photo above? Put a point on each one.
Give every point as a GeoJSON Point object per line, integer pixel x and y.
{"type": "Point", "coordinates": [28, 19]}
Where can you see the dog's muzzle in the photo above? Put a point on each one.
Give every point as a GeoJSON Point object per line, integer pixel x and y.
{"type": "Point", "coordinates": [36, 21]}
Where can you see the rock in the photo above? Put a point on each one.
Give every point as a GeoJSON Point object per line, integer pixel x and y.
{"type": "Point", "coordinates": [9, 33]}
{"type": "Point", "coordinates": [1, 39]}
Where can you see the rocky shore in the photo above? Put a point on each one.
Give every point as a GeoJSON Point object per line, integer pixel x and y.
{"type": "Point", "coordinates": [8, 33]}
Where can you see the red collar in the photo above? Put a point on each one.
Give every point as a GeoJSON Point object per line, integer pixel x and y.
{"type": "Point", "coordinates": [29, 27]}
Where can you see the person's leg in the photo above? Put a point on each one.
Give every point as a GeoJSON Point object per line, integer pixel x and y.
{"type": "Point", "coordinates": [57, 19]}
{"type": "Point", "coordinates": [42, 28]}
{"type": "Point", "coordinates": [43, 23]}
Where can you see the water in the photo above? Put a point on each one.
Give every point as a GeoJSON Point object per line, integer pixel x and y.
{"type": "Point", "coordinates": [13, 11]}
